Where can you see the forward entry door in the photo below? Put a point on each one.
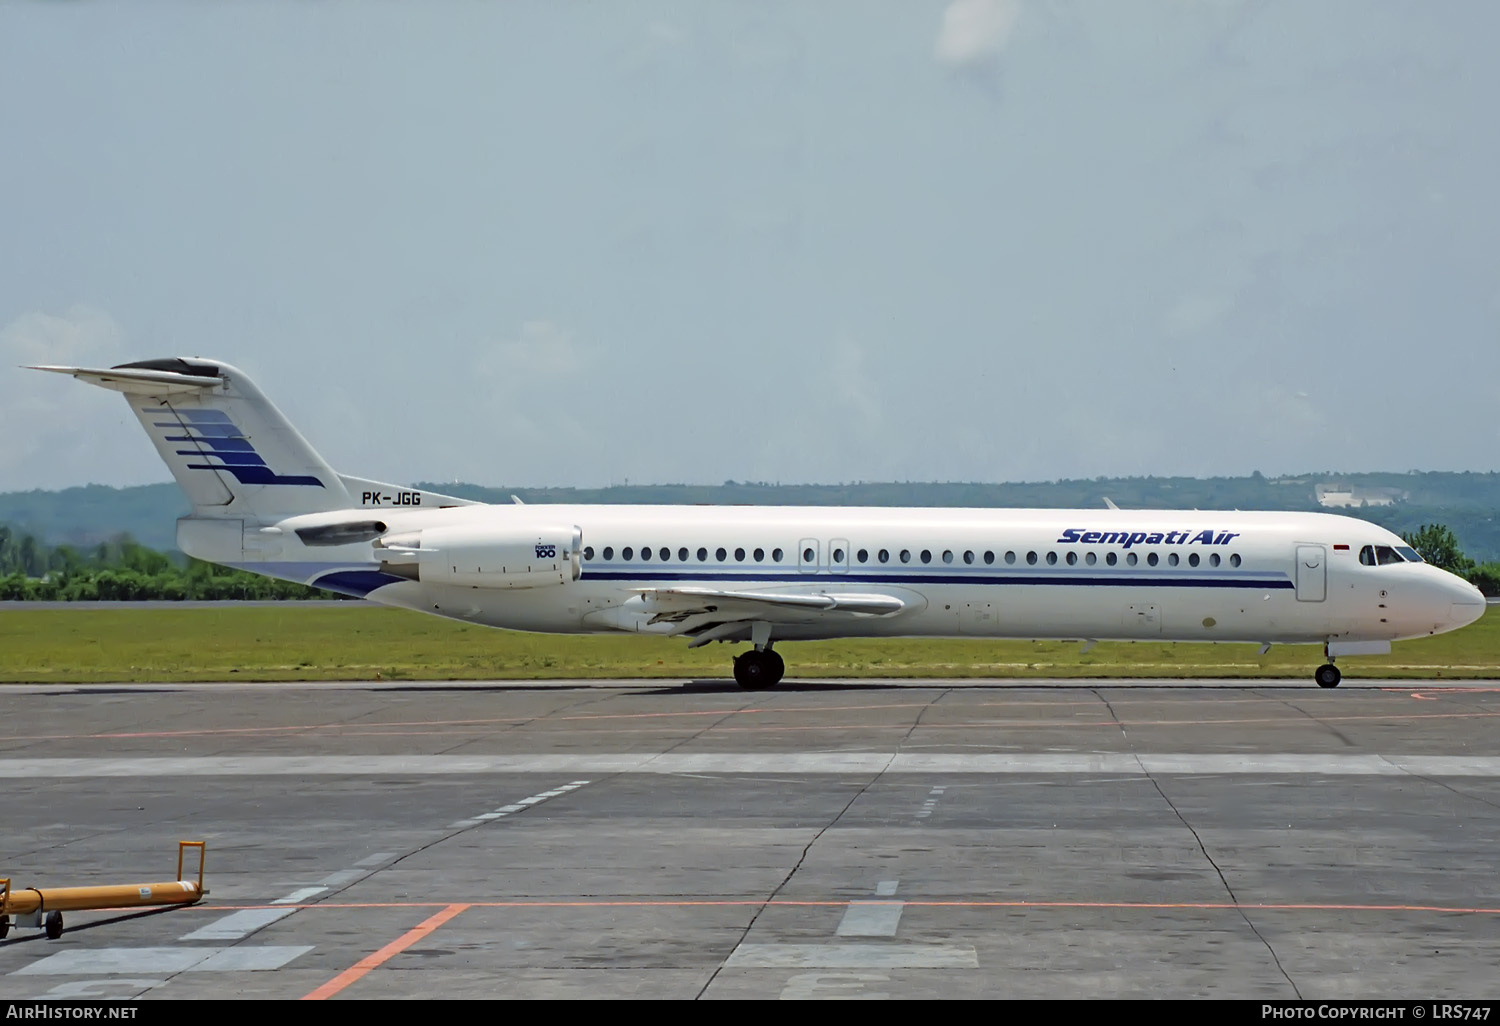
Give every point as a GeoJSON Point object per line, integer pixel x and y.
{"type": "Point", "coordinates": [1312, 573]}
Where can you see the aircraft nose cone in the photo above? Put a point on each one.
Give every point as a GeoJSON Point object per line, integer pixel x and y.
{"type": "Point", "coordinates": [1468, 604]}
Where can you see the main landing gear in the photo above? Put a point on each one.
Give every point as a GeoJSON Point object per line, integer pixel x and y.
{"type": "Point", "coordinates": [758, 669]}
{"type": "Point", "coordinates": [1328, 675]}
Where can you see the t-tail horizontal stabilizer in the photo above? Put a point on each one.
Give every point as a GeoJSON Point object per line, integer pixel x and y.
{"type": "Point", "coordinates": [230, 449]}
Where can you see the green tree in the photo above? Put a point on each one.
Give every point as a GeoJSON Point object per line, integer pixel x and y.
{"type": "Point", "coordinates": [1486, 577]}
{"type": "Point", "coordinates": [1438, 546]}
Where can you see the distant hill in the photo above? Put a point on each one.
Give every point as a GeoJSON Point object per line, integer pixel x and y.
{"type": "Point", "coordinates": [96, 513]}
{"type": "Point", "coordinates": [1467, 502]}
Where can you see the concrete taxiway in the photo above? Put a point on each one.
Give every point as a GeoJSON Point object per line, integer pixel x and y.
{"type": "Point", "coordinates": [685, 839]}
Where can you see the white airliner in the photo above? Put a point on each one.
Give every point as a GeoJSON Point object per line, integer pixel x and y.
{"type": "Point", "coordinates": [264, 501]}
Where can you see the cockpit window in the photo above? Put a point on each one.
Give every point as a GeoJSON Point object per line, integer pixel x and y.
{"type": "Point", "coordinates": [1384, 555]}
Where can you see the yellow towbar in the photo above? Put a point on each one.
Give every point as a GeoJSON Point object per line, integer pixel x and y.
{"type": "Point", "coordinates": [45, 906]}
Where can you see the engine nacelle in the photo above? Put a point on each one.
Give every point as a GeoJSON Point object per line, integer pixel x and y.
{"type": "Point", "coordinates": [485, 556]}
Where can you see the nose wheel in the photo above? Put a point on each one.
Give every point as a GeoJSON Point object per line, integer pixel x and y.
{"type": "Point", "coordinates": [758, 669]}
{"type": "Point", "coordinates": [1328, 676]}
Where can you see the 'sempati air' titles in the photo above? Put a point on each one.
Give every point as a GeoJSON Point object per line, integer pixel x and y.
{"type": "Point", "coordinates": [1125, 539]}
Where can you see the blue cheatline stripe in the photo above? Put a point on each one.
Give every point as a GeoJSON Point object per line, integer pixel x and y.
{"type": "Point", "coordinates": [1039, 579]}
{"type": "Point", "coordinates": [300, 570]}
{"type": "Point", "coordinates": [357, 583]}
{"type": "Point", "coordinates": [360, 582]}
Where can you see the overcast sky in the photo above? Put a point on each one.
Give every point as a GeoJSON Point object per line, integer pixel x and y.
{"type": "Point", "coordinates": [573, 242]}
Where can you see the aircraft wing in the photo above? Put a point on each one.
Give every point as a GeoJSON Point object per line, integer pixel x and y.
{"type": "Point", "coordinates": [689, 598]}
{"type": "Point", "coordinates": [711, 614]}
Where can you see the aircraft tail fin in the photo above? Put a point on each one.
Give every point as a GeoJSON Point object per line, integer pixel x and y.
{"type": "Point", "coordinates": [231, 450]}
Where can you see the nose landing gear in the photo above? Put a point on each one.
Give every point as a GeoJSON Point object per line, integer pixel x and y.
{"type": "Point", "coordinates": [1328, 675]}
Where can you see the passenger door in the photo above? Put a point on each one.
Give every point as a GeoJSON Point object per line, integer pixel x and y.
{"type": "Point", "coordinates": [1312, 573]}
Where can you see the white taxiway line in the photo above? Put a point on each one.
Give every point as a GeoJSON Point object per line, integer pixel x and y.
{"type": "Point", "coordinates": [95, 961]}
{"type": "Point", "coordinates": [853, 956]}
{"type": "Point", "coordinates": [514, 807]}
{"type": "Point", "coordinates": [793, 763]}
{"type": "Point", "coordinates": [238, 925]}
{"type": "Point", "coordinates": [871, 919]}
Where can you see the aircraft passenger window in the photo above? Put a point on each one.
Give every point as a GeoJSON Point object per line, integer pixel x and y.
{"type": "Point", "coordinates": [609, 552]}
{"type": "Point", "coordinates": [838, 556]}
{"type": "Point", "coordinates": [968, 555]}
{"type": "Point", "coordinates": [1367, 555]}
{"type": "Point", "coordinates": [645, 553]}
{"type": "Point", "coordinates": [808, 555]}
{"type": "Point", "coordinates": [682, 555]}
{"type": "Point", "coordinates": [627, 552]}
{"type": "Point", "coordinates": [666, 554]}
{"type": "Point", "coordinates": [1072, 558]}
{"type": "Point", "coordinates": [1213, 559]}
{"type": "Point", "coordinates": [1010, 557]}
{"type": "Point", "coordinates": [776, 555]}
{"type": "Point", "coordinates": [1111, 558]}
{"type": "Point", "coordinates": [1051, 559]}
{"type": "Point", "coordinates": [1172, 559]}
{"type": "Point", "coordinates": [927, 555]}
{"type": "Point", "coordinates": [702, 555]}
{"type": "Point", "coordinates": [1091, 559]}
{"type": "Point", "coordinates": [720, 554]}
{"type": "Point", "coordinates": [989, 557]}
{"type": "Point", "coordinates": [947, 555]}
{"type": "Point", "coordinates": [1385, 555]}
{"type": "Point", "coordinates": [863, 555]}
{"type": "Point", "coordinates": [1192, 559]}
{"type": "Point", "coordinates": [884, 556]}
{"type": "Point", "coordinates": [1130, 558]}
{"type": "Point", "coordinates": [739, 555]}
{"type": "Point", "coordinates": [760, 554]}
{"type": "Point", "coordinates": [1234, 559]}
{"type": "Point", "coordinates": [1151, 559]}
{"type": "Point", "coordinates": [1031, 559]}
{"type": "Point", "coordinates": [588, 552]}
{"type": "Point", "coordinates": [906, 555]}
{"type": "Point", "coordinates": [1410, 554]}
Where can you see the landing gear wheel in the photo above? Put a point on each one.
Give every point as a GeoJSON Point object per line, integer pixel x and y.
{"type": "Point", "coordinates": [1328, 676]}
{"type": "Point", "coordinates": [4, 926]}
{"type": "Point", "coordinates": [53, 925]}
{"type": "Point", "coordinates": [757, 671]}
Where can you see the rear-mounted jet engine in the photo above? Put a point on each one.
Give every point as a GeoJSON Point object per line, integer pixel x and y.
{"type": "Point", "coordinates": [483, 556]}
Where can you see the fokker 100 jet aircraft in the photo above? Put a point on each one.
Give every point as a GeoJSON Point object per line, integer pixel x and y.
{"type": "Point", "coordinates": [264, 501]}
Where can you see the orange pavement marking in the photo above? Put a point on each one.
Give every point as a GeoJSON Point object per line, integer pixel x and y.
{"type": "Point", "coordinates": [395, 947]}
